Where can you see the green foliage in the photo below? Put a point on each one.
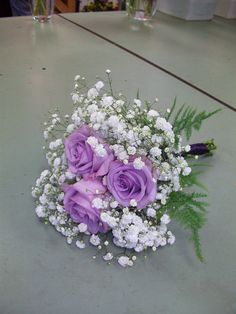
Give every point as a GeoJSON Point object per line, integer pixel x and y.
{"type": "Point", "coordinates": [172, 109]}
{"type": "Point", "coordinates": [189, 210]}
{"type": "Point", "coordinates": [148, 105]}
{"type": "Point", "coordinates": [192, 179]}
{"type": "Point", "coordinates": [187, 119]}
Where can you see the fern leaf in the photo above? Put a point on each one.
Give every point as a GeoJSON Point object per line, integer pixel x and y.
{"type": "Point", "coordinates": [178, 114]}
{"type": "Point", "coordinates": [189, 210]}
{"type": "Point", "coordinates": [197, 245]}
{"type": "Point", "coordinates": [188, 119]}
{"type": "Point", "coordinates": [172, 109]}
{"type": "Point", "coordinates": [192, 179]}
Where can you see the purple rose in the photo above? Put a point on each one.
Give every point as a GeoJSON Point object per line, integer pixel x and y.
{"type": "Point", "coordinates": [82, 157]}
{"type": "Point", "coordinates": [126, 183]}
{"type": "Point", "coordinates": [78, 204]}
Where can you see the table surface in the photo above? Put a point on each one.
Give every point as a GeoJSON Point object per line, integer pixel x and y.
{"type": "Point", "coordinates": [200, 53]}
{"type": "Point", "coordinates": [39, 272]}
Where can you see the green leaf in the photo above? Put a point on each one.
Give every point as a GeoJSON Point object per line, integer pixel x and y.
{"type": "Point", "coordinates": [189, 210]}
{"type": "Point", "coordinates": [172, 109]}
{"type": "Point", "coordinates": [198, 164]}
{"type": "Point", "coordinates": [187, 119]}
{"type": "Point", "coordinates": [197, 244]}
{"type": "Point", "coordinates": [178, 114]}
{"type": "Point", "coordinates": [192, 179]}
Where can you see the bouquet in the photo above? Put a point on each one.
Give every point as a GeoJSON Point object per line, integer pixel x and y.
{"type": "Point", "coordinates": [119, 172]}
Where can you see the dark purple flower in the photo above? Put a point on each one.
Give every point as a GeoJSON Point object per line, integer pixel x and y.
{"type": "Point", "coordinates": [198, 149]}
{"type": "Point", "coordinates": [202, 148]}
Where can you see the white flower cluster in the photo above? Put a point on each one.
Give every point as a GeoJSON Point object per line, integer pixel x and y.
{"type": "Point", "coordinates": [131, 232]}
{"type": "Point", "coordinates": [131, 131]}
{"type": "Point", "coordinates": [98, 148]}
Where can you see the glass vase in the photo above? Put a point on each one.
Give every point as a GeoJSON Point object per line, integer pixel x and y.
{"type": "Point", "coordinates": [43, 10]}
{"type": "Point", "coordinates": [142, 10]}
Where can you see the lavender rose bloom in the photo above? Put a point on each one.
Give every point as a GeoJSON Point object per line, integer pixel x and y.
{"type": "Point", "coordinates": [78, 204]}
{"type": "Point", "coordinates": [126, 183]}
{"type": "Point", "coordinates": [81, 157]}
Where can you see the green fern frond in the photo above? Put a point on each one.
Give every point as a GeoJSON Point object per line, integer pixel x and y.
{"type": "Point", "coordinates": [178, 114]}
{"type": "Point", "coordinates": [189, 218]}
{"type": "Point", "coordinates": [197, 244]}
{"type": "Point", "coordinates": [189, 210]}
{"type": "Point", "coordinates": [199, 164]}
{"type": "Point", "coordinates": [188, 119]}
{"type": "Point", "coordinates": [172, 109]}
{"type": "Point", "coordinates": [147, 105]}
{"type": "Point", "coordinates": [192, 179]}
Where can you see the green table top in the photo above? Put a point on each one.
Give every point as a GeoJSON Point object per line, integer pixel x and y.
{"type": "Point", "coordinates": [39, 272]}
{"type": "Point", "coordinates": [201, 53]}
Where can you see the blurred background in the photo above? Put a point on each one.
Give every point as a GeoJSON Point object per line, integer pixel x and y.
{"type": "Point", "coordinates": [184, 9]}
{"type": "Point", "coordinates": [23, 7]}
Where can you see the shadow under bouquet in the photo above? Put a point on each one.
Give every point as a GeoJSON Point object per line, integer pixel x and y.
{"type": "Point", "coordinates": [119, 172]}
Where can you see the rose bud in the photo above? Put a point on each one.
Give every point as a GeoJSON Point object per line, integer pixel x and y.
{"type": "Point", "coordinates": [201, 148]}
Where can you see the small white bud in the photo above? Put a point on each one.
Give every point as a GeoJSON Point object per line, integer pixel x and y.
{"type": "Point", "coordinates": [133, 203]}
{"type": "Point", "coordinates": [77, 77]}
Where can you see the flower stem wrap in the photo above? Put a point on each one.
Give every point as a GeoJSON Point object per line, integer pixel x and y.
{"type": "Point", "coordinates": [202, 148]}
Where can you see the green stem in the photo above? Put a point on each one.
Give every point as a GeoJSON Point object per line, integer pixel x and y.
{"type": "Point", "coordinates": [147, 4]}
{"type": "Point", "coordinates": [39, 6]}
{"type": "Point", "coordinates": [110, 84]}
{"type": "Point", "coordinates": [211, 145]}
{"type": "Point", "coordinates": [130, 6]}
